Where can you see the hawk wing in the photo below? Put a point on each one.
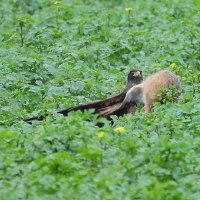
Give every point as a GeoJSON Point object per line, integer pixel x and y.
{"type": "Point", "coordinates": [133, 96]}
{"type": "Point", "coordinates": [134, 78]}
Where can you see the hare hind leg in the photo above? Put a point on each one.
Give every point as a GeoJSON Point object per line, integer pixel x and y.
{"type": "Point", "coordinates": [149, 103]}
{"type": "Point", "coordinates": [147, 107]}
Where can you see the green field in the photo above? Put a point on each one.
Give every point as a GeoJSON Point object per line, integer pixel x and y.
{"type": "Point", "coordinates": [55, 55]}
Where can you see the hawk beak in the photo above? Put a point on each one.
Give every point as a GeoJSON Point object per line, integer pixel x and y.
{"type": "Point", "coordinates": [136, 73]}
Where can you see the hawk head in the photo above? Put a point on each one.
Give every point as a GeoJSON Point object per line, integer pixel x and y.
{"type": "Point", "coordinates": [134, 78]}
{"type": "Point", "coordinates": [135, 75]}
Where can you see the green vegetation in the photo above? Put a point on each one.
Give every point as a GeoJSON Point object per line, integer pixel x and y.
{"type": "Point", "coordinates": [54, 56]}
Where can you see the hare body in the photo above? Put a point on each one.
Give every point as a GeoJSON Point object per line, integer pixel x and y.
{"type": "Point", "coordinates": [148, 92]}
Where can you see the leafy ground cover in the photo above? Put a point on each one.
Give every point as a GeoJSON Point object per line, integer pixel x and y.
{"type": "Point", "coordinates": [55, 55]}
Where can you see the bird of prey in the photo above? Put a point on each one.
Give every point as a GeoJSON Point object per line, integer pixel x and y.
{"type": "Point", "coordinates": [134, 78]}
{"type": "Point", "coordinates": [147, 92]}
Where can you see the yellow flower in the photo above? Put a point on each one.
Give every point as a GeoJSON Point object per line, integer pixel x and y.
{"type": "Point", "coordinates": [100, 135]}
{"type": "Point", "coordinates": [57, 2]}
{"type": "Point", "coordinates": [129, 9]}
{"type": "Point", "coordinates": [189, 67]}
{"type": "Point", "coordinates": [173, 65]}
{"type": "Point", "coordinates": [120, 129]}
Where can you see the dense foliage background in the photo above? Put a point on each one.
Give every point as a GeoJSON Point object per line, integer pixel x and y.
{"type": "Point", "coordinates": [56, 55]}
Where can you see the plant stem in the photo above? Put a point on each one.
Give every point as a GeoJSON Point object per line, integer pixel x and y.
{"type": "Point", "coordinates": [102, 163]}
{"type": "Point", "coordinates": [108, 20]}
{"type": "Point", "coordinates": [57, 18]}
{"type": "Point", "coordinates": [129, 21]}
{"type": "Point", "coordinates": [101, 158]}
{"type": "Point", "coordinates": [21, 33]}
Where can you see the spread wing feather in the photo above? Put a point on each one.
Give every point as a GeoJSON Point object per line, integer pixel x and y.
{"type": "Point", "coordinates": [111, 106]}
{"type": "Point", "coordinates": [133, 96]}
{"type": "Point", "coordinates": [95, 104]}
